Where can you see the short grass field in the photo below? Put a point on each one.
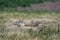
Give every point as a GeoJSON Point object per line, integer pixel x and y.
{"type": "Point", "coordinates": [50, 32]}
{"type": "Point", "coordinates": [24, 3]}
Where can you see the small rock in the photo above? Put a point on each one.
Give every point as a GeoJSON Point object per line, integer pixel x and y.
{"type": "Point", "coordinates": [17, 22]}
{"type": "Point", "coordinates": [35, 23]}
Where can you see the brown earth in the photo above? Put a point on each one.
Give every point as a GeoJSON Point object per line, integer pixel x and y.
{"type": "Point", "coordinates": [53, 6]}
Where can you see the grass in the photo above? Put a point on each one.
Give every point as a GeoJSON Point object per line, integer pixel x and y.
{"type": "Point", "coordinates": [14, 3]}
{"type": "Point", "coordinates": [50, 32]}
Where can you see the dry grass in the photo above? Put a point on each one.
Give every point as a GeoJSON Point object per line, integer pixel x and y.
{"type": "Point", "coordinates": [49, 31]}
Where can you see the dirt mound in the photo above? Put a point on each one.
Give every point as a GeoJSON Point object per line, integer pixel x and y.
{"type": "Point", "coordinates": [30, 23]}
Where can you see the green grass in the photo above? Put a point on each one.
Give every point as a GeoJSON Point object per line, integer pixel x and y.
{"type": "Point", "coordinates": [46, 32]}
{"type": "Point", "coordinates": [14, 3]}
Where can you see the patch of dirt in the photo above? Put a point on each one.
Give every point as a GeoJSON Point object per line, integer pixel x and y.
{"type": "Point", "coordinates": [31, 23]}
{"type": "Point", "coordinates": [54, 6]}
